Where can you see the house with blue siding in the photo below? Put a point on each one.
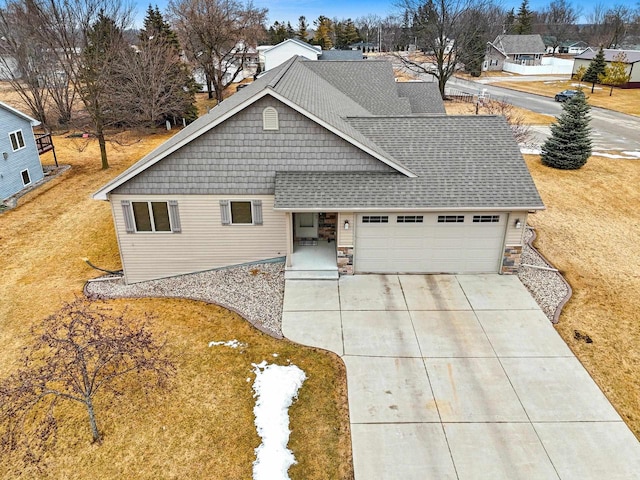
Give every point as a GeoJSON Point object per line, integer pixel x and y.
{"type": "Point", "coordinates": [19, 158]}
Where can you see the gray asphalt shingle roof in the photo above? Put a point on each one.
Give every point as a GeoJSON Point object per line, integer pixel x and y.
{"type": "Point", "coordinates": [424, 97]}
{"type": "Point", "coordinates": [522, 44]}
{"type": "Point", "coordinates": [460, 162]}
{"type": "Point", "coordinates": [633, 56]}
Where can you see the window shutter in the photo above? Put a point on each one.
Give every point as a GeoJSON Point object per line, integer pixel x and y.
{"type": "Point", "coordinates": [174, 216]}
{"type": "Point", "coordinates": [225, 215]}
{"type": "Point", "coordinates": [129, 224]}
{"type": "Point", "coordinates": [257, 212]}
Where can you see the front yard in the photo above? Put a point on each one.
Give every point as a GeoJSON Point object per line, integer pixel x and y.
{"type": "Point", "coordinates": [589, 231]}
{"type": "Point", "coordinates": [203, 427]}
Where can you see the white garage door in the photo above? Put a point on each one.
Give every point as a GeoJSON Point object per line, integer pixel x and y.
{"type": "Point", "coordinates": [429, 243]}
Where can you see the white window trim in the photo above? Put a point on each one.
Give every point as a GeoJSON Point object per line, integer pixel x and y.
{"type": "Point", "coordinates": [22, 178]}
{"type": "Point", "coordinates": [253, 213]}
{"type": "Point", "coordinates": [151, 217]}
{"type": "Point", "coordinates": [24, 143]}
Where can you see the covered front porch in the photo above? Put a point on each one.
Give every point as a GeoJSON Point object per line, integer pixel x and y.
{"type": "Point", "coordinates": [311, 253]}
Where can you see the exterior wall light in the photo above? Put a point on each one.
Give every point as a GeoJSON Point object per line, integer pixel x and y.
{"type": "Point", "coordinates": [518, 223]}
{"type": "Point", "coordinates": [5, 155]}
{"type": "Point", "coordinates": [346, 224]}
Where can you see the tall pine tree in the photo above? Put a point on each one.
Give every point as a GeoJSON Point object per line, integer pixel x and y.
{"type": "Point", "coordinates": [303, 28]}
{"type": "Point", "coordinates": [596, 69]}
{"type": "Point", "coordinates": [524, 20]}
{"type": "Point", "coordinates": [569, 146]}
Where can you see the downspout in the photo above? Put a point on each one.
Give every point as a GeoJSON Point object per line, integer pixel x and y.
{"type": "Point", "coordinates": [289, 222]}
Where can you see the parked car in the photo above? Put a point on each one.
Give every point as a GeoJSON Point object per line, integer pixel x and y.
{"type": "Point", "coordinates": [565, 95]}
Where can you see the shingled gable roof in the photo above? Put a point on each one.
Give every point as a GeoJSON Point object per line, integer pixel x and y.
{"type": "Point", "coordinates": [462, 162]}
{"type": "Point", "coordinates": [18, 113]}
{"type": "Point", "coordinates": [519, 44]}
{"type": "Point", "coordinates": [296, 42]}
{"type": "Point", "coordinates": [299, 87]}
{"type": "Point", "coordinates": [633, 56]}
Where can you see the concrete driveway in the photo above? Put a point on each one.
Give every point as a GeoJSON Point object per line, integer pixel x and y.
{"type": "Point", "coordinates": [459, 377]}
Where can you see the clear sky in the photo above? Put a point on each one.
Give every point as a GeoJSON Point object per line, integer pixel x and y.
{"type": "Point", "coordinates": [290, 10]}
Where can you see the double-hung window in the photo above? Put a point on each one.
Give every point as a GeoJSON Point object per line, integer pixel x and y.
{"type": "Point", "coordinates": [17, 140]}
{"type": "Point", "coordinates": [241, 212]}
{"type": "Point", "coordinates": [150, 216]}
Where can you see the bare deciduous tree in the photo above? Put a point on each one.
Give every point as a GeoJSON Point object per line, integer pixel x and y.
{"type": "Point", "coordinates": [446, 29]}
{"type": "Point", "coordinates": [559, 22]}
{"type": "Point", "coordinates": [152, 83]}
{"type": "Point", "coordinates": [23, 58]}
{"type": "Point", "coordinates": [77, 354]}
{"type": "Point", "coordinates": [520, 129]}
{"type": "Point", "coordinates": [68, 28]}
{"type": "Point", "coordinates": [217, 36]}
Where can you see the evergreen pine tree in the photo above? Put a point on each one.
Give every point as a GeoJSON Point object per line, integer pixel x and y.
{"type": "Point", "coordinates": [596, 68]}
{"type": "Point", "coordinates": [569, 146]}
{"type": "Point", "coordinates": [524, 20]}
{"type": "Point", "coordinates": [302, 28]}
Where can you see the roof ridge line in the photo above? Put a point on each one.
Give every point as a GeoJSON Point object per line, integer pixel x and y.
{"type": "Point", "coordinates": [273, 83]}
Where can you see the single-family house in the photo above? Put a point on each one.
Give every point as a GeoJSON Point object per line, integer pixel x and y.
{"type": "Point", "coordinates": [632, 63]}
{"type": "Point", "coordinates": [20, 162]}
{"type": "Point", "coordinates": [335, 167]}
{"type": "Point", "coordinates": [568, 47]}
{"type": "Point", "coordinates": [280, 53]}
{"type": "Point", "coordinates": [521, 49]}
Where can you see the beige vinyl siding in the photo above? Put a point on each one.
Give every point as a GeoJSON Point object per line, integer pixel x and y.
{"type": "Point", "coordinates": [514, 236]}
{"type": "Point", "coordinates": [345, 237]}
{"type": "Point", "coordinates": [204, 242]}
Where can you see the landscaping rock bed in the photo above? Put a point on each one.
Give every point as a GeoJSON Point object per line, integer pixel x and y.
{"type": "Point", "coordinates": [548, 288]}
{"type": "Point", "coordinates": [255, 291]}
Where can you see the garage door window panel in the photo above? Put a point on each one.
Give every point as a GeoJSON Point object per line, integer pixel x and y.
{"type": "Point", "coordinates": [486, 219]}
{"type": "Point", "coordinates": [450, 218]}
{"type": "Point", "coordinates": [375, 219]}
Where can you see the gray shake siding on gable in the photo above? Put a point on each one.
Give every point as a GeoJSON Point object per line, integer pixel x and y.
{"type": "Point", "coordinates": [241, 158]}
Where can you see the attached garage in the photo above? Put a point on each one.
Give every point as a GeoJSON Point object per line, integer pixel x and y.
{"type": "Point", "coordinates": [460, 242]}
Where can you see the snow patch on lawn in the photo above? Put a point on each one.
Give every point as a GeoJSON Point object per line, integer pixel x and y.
{"type": "Point", "coordinates": [231, 343]}
{"type": "Point", "coordinates": [530, 151]}
{"type": "Point", "coordinates": [275, 387]}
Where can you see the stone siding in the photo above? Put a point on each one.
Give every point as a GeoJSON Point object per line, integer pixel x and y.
{"type": "Point", "coordinates": [511, 259]}
{"type": "Point", "coordinates": [345, 260]}
{"type": "Point", "coordinates": [327, 226]}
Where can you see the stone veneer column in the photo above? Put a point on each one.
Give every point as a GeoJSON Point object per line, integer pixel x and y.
{"type": "Point", "coordinates": [511, 259]}
{"type": "Point", "coordinates": [345, 260]}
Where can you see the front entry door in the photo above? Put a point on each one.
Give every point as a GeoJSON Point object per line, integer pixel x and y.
{"type": "Point", "coordinates": [306, 225]}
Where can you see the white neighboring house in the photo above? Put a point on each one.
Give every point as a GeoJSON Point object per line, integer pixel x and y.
{"type": "Point", "coordinates": [278, 54]}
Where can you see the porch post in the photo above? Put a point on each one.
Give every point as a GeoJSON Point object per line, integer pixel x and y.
{"type": "Point", "coordinates": [289, 238]}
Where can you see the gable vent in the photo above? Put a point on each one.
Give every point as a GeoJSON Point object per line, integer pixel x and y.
{"type": "Point", "coordinates": [270, 119]}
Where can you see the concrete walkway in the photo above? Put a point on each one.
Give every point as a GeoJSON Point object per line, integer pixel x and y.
{"type": "Point", "coordinates": [459, 377]}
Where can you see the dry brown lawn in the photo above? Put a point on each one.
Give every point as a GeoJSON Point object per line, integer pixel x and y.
{"type": "Point", "coordinates": [589, 231]}
{"type": "Point", "coordinates": [527, 116]}
{"type": "Point", "coordinates": [622, 100]}
{"type": "Point", "coordinates": [201, 428]}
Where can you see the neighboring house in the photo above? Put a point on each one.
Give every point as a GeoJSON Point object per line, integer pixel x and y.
{"type": "Point", "coordinates": [568, 47]}
{"type": "Point", "coordinates": [19, 158]}
{"type": "Point", "coordinates": [272, 56]}
{"type": "Point", "coordinates": [521, 49]}
{"type": "Point", "coordinates": [9, 68]}
{"type": "Point", "coordinates": [335, 167]}
{"type": "Point", "coordinates": [280, 53]}
{"type": "Point", "coordinates": [341, 55]}
{"type": "Point", "coordinates": [633, 63]}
